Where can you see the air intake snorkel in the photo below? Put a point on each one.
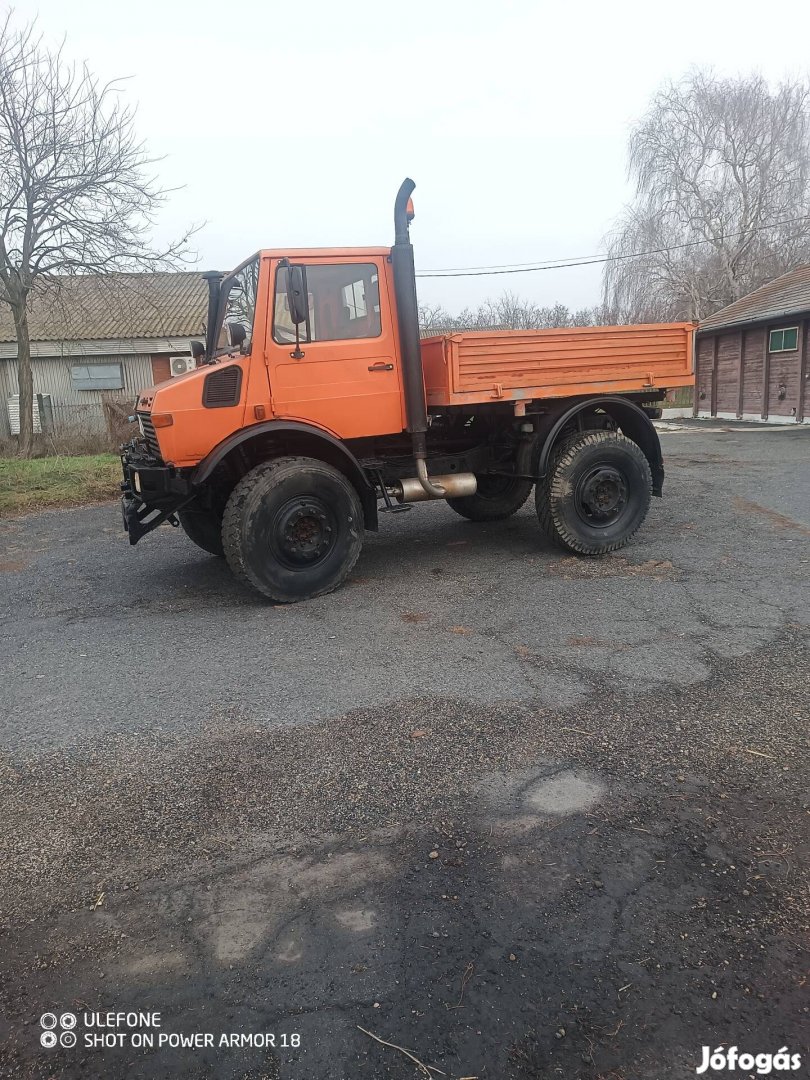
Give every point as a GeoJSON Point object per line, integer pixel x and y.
{"type": "Point", "coordinates": [410, 351]}
{"type": "Point", "coordinates": [214, 280]}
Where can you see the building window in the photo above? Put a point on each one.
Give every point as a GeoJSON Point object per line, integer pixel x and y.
{"type": "Point", "coordinates": [97, 377]}
{"type": "Point", "coordinates": [344, 303]}
{"type": "Point", "coordinates": [786, 340]}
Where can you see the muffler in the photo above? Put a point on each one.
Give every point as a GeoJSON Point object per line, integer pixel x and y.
{"type": "Point", "coordinates": [453, 486]}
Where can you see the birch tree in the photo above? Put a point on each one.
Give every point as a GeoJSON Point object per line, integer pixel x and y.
{"type": "Point", "coordinates": [77, 194]}
{"type": "Point", "coordinates": [721, 169]}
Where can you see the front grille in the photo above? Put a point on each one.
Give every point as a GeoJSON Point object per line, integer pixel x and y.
{"type": "Point", "coordinates": [148, 429]}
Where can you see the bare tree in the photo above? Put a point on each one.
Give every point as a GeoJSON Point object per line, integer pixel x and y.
{"type": "Point", "coordinates": [433, 319]}
{"type": "Point", "coordinates": [508, 312]}
{"type": "Point", "coordinates": [76, 191]}
{"type": "Point", "coordinates": [722, 204]}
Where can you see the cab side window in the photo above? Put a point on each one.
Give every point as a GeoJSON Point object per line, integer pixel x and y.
{"type": "Point", "coordinates": [344, 303]}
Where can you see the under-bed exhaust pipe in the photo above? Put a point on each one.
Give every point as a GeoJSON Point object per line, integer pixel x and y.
{"type": "Point", "coordinates": [413, 379]}
{"type": "Point", "coordinates": [433, 489]}
{"type": "Point", "coordinates": [452, 486]}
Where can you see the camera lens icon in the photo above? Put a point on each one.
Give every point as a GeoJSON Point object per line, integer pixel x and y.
{"type": "Point", "coordinates": [68, 1039]}
{"type": "Point", "coordinates": [68, 1021]}
{"type": "Point", "coordinates": [48, 1021]}
{"type": "Point", "coordinates": [48, 1039]}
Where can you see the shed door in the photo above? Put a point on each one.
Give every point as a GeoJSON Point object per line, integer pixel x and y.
{"type": "Point", "coordinates": [705, 374]}
{"type": "Point", "coordinates": [784, 363]}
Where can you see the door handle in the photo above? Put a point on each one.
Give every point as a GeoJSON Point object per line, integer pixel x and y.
{"type": "Point", "coordinates": [381, 367]}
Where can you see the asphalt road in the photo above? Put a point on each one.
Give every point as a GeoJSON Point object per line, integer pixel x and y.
{"type": "Point", "coordinates": [227, 811]}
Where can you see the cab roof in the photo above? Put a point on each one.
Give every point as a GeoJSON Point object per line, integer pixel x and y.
{"type": "Point", "coordinates": [322, 253]}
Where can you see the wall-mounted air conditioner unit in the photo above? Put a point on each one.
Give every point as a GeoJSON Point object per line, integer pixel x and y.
{"type": "Point", "coordinates": [179, 365]}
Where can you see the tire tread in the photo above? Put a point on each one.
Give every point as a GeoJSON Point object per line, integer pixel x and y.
{"type": "Point", "coordinates": [549, 492]}
{"type": "Point", "coordinates": [232, 523]}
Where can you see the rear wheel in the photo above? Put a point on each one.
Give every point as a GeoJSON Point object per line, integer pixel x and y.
{"type": "Point", "coordinates": [596, 493]}
{"type": "Point", "coordinates": [497, 497]}
{"type": "Point", "coordinates": [293, 528]}
{"type": "Point", "coordinates": [203, 528]}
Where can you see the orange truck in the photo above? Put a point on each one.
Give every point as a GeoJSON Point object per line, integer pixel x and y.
{"type": "Point", "coordinates": [315, 407]}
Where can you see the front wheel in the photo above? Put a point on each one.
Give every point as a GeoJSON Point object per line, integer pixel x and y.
{"type": "Point", "coordinates": [293, 528]}
{"type": "Point", "coordinates": [497, 497]}
{"type": "Point", "coordinates": [596, 493]}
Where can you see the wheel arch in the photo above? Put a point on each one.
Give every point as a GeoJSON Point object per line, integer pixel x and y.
{"type": "Point", "coordinates": [259, 442]}
{"type": "Point", "coordinates": [632, 420]}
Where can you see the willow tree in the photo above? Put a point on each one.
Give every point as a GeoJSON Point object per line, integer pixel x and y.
{"type": "Point", "coordinates": [77, 190]}
{"type": "Point", "coordinates": [721, 169]}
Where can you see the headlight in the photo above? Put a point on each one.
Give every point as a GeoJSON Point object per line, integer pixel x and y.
{"type": "Point", "coordinates": [140, 424]}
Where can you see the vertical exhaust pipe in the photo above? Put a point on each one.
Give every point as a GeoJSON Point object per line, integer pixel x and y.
{"type": "Point", "coordinates": [214, 280]}
{"type": "Point", "coordinates": [413, 379]}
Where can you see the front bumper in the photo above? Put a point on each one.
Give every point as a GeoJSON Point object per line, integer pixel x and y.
{"type": "Point", "coordinates": [151, 494]}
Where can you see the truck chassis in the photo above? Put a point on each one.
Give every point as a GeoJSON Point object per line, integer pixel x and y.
{"type": "Point", "coordinates": [288, 509]}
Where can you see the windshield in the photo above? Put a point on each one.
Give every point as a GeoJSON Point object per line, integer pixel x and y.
{"type": "Point", "coordinates": [238, 303]}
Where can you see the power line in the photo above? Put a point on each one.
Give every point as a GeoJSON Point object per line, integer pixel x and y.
{"type": "Point", "coordinates": [589, 260]}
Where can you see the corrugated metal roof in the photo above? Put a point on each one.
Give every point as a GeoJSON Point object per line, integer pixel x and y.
{"type": "Point", "coordinates": [785, 295]}
{"type": "Point", "coordinates": [92, 307]}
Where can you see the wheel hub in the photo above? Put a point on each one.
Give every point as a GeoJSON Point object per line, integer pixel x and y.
{"type": "Point", "coordinates": [303, 532]}
{"type": "Point", "coordinates": [602, 495]}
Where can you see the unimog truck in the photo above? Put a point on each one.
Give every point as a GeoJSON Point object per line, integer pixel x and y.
{"type": "Point", "coordinates": [315, 407]}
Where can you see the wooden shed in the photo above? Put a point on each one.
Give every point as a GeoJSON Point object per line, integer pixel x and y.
{"type": "Point", "coordinates": [751, 358]}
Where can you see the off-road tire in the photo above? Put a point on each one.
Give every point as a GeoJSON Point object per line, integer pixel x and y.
{"type": "Point", "coordinates": [293, 528]}
{"type": "Point", "coordinates": [568, 501]}
{"type": "Point", "coordinates": [497, 497]}
{"type": "Point", "coordinates": [203, 528]}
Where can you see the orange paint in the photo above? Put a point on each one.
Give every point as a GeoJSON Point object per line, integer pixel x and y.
{"type": "Point", "coordinates": [352, 387]}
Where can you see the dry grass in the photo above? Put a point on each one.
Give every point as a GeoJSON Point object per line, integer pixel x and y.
{"type": "Point", "coordinates": [41, 483]}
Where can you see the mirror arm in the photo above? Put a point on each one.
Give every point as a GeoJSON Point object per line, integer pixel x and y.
{"type": "Point", "coordinates": [299, 352]}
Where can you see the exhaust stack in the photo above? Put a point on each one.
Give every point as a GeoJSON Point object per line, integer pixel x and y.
{"type": "Point", "coordinates": [413, 379]}
{"type": "Point", "coordinates": [214, 280]}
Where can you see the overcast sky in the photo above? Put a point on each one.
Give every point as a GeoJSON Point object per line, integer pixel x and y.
{"type": "Point", "coordinates": [294, 123]}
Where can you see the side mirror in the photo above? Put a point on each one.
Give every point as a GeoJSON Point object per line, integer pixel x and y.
{"type": "Point", "coordinates": [197, 349]}
{"type": "Point", "coordinates": [297, 299]}
{"type": "Point", "coordinates": [236, 334]}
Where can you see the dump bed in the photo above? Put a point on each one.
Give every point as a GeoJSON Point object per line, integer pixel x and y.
{"type": "Point", "coordinates": [521, 365]}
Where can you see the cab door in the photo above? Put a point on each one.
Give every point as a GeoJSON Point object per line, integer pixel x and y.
{"type": "Point", "coordinates": [348, 379]}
